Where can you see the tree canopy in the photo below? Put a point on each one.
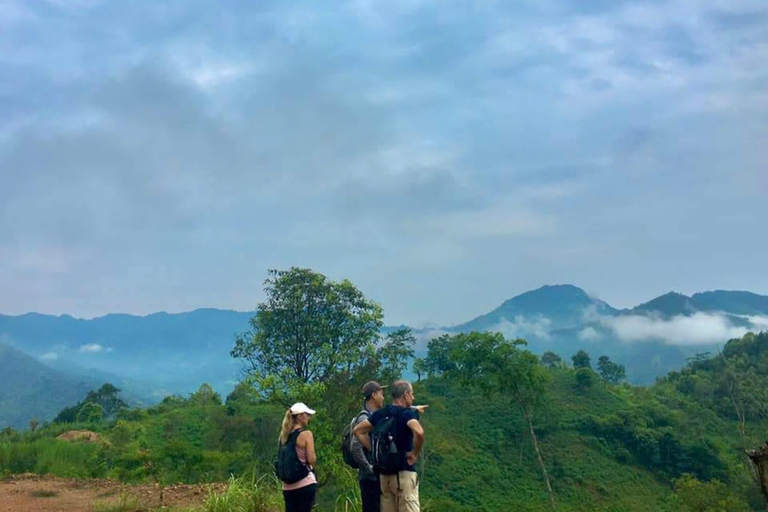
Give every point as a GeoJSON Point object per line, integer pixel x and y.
{"type": "Point", "coordinates": [308, 328]}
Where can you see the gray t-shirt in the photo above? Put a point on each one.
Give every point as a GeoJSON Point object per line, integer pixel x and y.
{"type": "Point", "coordinates": [360, 454]}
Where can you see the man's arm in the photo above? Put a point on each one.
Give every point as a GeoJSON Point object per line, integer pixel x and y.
{"type": "Point", "coordinates": [418, 441]}
{"type": "Point", "coordinates": [361, 433]}
{"type": "Point", "coordinates": [356, 448]}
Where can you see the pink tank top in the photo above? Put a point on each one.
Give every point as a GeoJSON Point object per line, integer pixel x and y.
{"type": "Point", "coordinates": [307, 480]}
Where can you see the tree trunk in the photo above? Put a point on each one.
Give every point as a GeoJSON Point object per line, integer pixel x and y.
{"type": "Point", "coordinates": [759, 459]}
{"type": "Point", "coordinates": [538, 456]}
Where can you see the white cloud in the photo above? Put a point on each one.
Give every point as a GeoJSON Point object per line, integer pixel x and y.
{"type": "Point", "coordinates": [93, 348]}
{"type": "Point", "coordinates": [589, 333]}
{"type": "Point", "coordinates": [697, 329]}
{"type": "Point", "coordinates": [49, 356]}
{"type": "Point", "coordinates": [522, 327]}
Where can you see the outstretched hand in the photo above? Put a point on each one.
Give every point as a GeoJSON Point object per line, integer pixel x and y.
{"type": "Point", "coordinates": [421, 408]}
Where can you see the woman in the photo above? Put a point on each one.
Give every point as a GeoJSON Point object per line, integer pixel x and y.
{"type": "Point", "coordinates": [300, 496]}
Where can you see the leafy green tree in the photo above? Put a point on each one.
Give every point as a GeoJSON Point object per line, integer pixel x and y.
{"type": "Point", "coordinates": [107, 396]}
{"type": "Point", "coordinates": [419, 367]}
{"type": "Point", "coordinates": [609, 371]}
{"type": "Point", "coordinates": [550, 359]}
{"type": "Point", "coordinates": [308, 328]}
{"type": "Point", "coordinates": [205, 396]}
{"type": "Point", "coordinates": [90, 413]}
{"type": "Point", "coordinates": [68, 414]}
{"type": "Point", "coordinates": [691, 495]}
{"type": "Point", "coordinates": [581, 360]}
{"type": "Point", "coordinates": [393, 355]}
{"type": "Point", "coordinates": [585, 378]}
{"type": "Point", "coordinates": [497, 366]}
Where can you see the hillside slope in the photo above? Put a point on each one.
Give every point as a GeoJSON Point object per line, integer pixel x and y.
{"type": "Point", "coordinates": [32, 390]}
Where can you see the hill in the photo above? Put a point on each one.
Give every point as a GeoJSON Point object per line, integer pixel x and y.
{"type": "Point", "coordinates": [152, 356]}
{"type": "Point", "coordinates": [671, 447]}
{"type": "Point", "coordinates": [32, 390]}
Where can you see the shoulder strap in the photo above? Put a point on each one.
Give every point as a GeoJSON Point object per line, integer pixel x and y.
{"type": "Point", "coordinates": [294, 436]}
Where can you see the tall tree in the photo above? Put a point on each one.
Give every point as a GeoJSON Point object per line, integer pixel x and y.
{"type": "Point", "coordinates": [609, 371]}
{"type": "Point", "coordinates": [419, 367]}
{"type": "Point", "coordinates": [108, 397]}
{"type": "Point", "coordinates": [581, 360]}
{"type": "Point", "coordinates": [308, 328]}
{"type": "Point", "coordinates": [393, 355]}
{"type": "Point", "coordinates": [495, 365]}
{"type": "Point", "coordinates": [550, 359]}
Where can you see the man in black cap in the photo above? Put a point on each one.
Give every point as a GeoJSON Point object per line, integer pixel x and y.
{"type": "Point", "coordinates": [370, 489]}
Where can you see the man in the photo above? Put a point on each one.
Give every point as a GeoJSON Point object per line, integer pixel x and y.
{"type": "Point", "coordinates": [370, 489]}
{"type": "Point", "coordinates": [399, 490]}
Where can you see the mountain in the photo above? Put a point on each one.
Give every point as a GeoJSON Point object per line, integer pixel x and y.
{"type": "Point", "coordinates": [648, 339]}
{"type": "Point", "coordinates": [667, 306]}
{"type": "Point", "coordinates": [155, 355]}
{"type": "Point", "coordinates": [31, 389]}
{"type": "Point", "coordinates": [161, 353]}
{"type": "Point", "coordinates": [734, 302]}
{"type": "Point", "coordinates": [549, 307]}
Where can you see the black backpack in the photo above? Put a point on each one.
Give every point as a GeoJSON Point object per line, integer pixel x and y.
{"type": "Point", "coordinates": [347, 438]}
{"type": "Point", "coordinates": [288, 467]}
{"type": "Point", "coordinates": [387, 460]}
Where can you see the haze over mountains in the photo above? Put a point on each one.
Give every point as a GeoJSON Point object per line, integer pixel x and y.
{"type": "Point", "coordinates": [159, 354]}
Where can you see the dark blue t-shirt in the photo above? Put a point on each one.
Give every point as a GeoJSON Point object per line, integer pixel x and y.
{"type": "Point", "coordinates": [404, 434]}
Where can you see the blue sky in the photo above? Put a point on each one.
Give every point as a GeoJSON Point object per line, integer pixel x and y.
{"type": "Point", "coordinates": [443, 155]}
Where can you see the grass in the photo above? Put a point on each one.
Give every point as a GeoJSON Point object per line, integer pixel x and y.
{"type": "Point", "coordinates": [43, 493]}
{"type": "Point", "coordinates": [124, 503]}
{"type": "Point", "coordinates": [246, 495]}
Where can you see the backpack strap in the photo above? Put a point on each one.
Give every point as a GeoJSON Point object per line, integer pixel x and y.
{"type": "Point", "coordinates": [293, 436]}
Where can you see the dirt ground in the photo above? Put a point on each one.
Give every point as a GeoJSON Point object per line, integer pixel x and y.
{"type": "Point", "coordinates": [34, 493]}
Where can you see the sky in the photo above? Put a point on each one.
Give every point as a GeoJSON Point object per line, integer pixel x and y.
{"type": "Point", "coordinates": [442, 155]}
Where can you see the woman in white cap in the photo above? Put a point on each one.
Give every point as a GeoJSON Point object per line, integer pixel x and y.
{"type": "Point", "coordinates": [300, 495]}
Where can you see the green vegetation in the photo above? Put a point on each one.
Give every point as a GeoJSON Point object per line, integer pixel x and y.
{"type": "Point", "coordinates": [504, 429]}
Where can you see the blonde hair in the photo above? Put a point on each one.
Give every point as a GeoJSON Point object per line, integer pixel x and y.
{"type": "Point", "coordinates": [289, 420]}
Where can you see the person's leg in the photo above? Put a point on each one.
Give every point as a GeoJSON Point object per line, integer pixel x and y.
{"type": "Point", "coordinates": [388, 493]}
{"type": "Point", "coordinates": [370, 492]}
{"type": "Point", "coordinates": [409, 492]}
{"type": "Point", "coordinates": [306, 498]}
{"type": "Point", "coordinates": [290, 501]}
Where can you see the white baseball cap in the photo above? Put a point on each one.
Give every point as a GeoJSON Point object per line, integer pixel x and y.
{"type": "Point", "coordinates": [301, 408]}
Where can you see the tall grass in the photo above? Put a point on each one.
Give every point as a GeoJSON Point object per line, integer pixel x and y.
{"type": "Point", "coordinates": [52, 456]}
{"type": "Point", "coordinates": [254, 494]}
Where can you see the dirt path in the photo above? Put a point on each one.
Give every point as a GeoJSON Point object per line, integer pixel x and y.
{"type": "Point", "coordinates": [34, 493]}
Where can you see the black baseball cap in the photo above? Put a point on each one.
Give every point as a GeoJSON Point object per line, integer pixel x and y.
{"type": "Point", "coordinates": [372, 387]}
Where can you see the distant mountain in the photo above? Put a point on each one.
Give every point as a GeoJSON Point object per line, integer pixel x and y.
{"type": "Point", "coordinates": [565, 319]}
{"type": "Point", "coordinates": [29, 389]}
{"type": "Point", "coordinates": [162, 353]}
{"type": "Point", "coordinates": [159, 354]}
{"type": "Point", "coordinates": [734, 302]}
{"type": "Point", "coordinates": [558, 306]}
{"type": "Point", "coordinates": [667, 306]}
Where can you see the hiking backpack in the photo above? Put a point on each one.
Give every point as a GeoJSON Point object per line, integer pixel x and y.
{"type": "Point", "coordinates": [288, 467]}
{"type": "Point", "coordinates": [387, 460]}
{"type": "Point", "coordinates": [347, 438]}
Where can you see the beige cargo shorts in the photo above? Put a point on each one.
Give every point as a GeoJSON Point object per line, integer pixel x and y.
{"type": "Point", "coordinates": [404, 498]}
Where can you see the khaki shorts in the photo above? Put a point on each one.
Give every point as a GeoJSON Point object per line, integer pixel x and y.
{"type": "Point", "coordinates": [402, 499]}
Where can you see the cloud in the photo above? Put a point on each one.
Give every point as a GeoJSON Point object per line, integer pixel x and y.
{"type": "Point", "coordinates": [523, 327]}
{"type": "Point", "coordinates": [697, 329]}
{"type": "Point", "coordinates": [408, 140]}
{"type": "Point", "coordinates": [49, 356]}
{"type": "Point", "coordinates": [94, 348]}
{"type": "Point", "coordinates": [588, 334]}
